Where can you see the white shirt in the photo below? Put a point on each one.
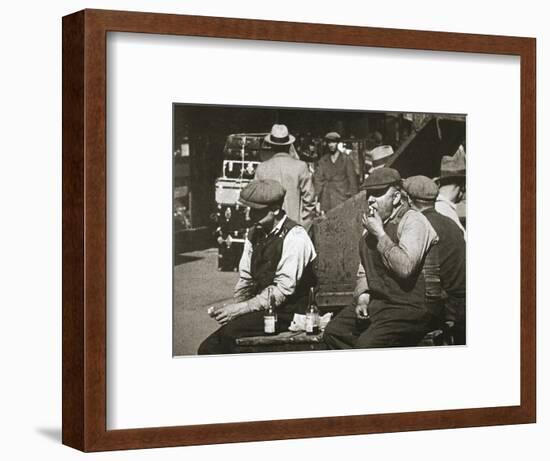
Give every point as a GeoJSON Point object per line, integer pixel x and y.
{"type": "Point", "coordinates": [447, 208]}
{"type": "Point", "coordinates": [298, 251]}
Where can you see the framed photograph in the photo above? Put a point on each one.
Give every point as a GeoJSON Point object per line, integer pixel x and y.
{"type": "Point", "coordinates": [279, 230]}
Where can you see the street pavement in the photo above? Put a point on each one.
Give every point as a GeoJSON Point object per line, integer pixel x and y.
{"type": "Point", "coordinates": [198, 285]}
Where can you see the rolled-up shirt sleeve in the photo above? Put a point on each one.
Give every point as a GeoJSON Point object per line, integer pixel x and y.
{"type": "Point", "coordinates": [361, 283]}
{"type": "Point", "coordinates": [298, 251]}
{"type": "Point", "coordinates": [243, 289]}
{"type": "Point", "coordinates": [415, 236]}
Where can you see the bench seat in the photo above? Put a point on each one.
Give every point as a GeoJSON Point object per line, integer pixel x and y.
{"type": "Point", "coordinates": [293, 341]}
{"type": "Point", "coordinates": [287, 341]}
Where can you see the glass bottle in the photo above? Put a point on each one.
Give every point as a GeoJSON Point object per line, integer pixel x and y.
{"type": "Point", "coordinates": [312, 314]}
{"type": "Point", "coordinates": [270, 318]}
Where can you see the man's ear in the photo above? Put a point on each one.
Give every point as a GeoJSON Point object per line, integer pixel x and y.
{"type": "Point", "coordinates": [396, 198]}
{"type": "Point", "coordinates": [277, 210]}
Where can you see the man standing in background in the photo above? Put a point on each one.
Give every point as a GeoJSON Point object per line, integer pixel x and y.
{"type": "Point", "coordinates": [335, 179]}
{"type": "Point", "coordinates": [292, 174]}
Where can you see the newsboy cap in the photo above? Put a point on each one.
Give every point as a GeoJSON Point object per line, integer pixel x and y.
{"type": "Point", "coordinates": [332, 136]}
{"type": "Point", "coordinates": [262, 193]}
{"type": "Point", "coordinates": [382, 178]}
{"type": "Point", "coordinates": [421, 187]}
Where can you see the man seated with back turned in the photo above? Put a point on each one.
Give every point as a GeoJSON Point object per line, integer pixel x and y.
{"type": "Point", "coordinates": [277, 254]}
{"type": "Point", "coordinates": [391, 304]}
{"type": "Point", "coordinates": [452, 186]}
{"type": "Point", "coordinates": [422, 193]}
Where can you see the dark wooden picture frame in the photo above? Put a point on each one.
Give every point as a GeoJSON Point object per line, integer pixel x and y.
{"type": "Point", "coordinates": [85, 223]}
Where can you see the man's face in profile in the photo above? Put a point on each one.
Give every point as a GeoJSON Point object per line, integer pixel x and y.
{"type": "Point", "coordinates": [383, 201]}
{"type": "Point", "coordinates": [263, 217]}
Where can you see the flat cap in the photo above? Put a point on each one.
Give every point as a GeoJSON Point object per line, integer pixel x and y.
{"type": "Point", "coordinates": [332, 136]}
{"type": "Point", "coordinates": [382, 178]}
{"type": "Point", "coordinates": [261, 193]}
{"type": "Point", "coordinates": [421, 187]}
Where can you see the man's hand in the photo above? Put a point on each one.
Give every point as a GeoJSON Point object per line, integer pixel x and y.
{"type": "Point", "coordinates": [227, 313]}
{"type": "Point", "coordinates": [361, 308]}
{"type": "Point", "coordinates": [373, 224]}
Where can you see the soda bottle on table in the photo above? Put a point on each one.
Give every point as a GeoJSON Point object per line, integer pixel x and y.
{"type": "Point", "coordinates": [270, 317]}
{"type": "Point", "coordinates": [312, 314]}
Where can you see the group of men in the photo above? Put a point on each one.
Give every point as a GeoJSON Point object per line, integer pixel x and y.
{"type": "Point", "coordinates": [333, 182]}
{"type": "Point", "coordinates": [412, 273]}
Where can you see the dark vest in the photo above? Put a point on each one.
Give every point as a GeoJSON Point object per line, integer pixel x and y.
{"type": "Point", "coordinates": [266, 254]}
{"type": "Point", "coordinates": [420, 292]}
{"type": "Point", "coordinates": [452, 262]}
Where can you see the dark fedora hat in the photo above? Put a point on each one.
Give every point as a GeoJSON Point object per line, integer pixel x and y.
{"type": "Point", "coordinates": [279, 136]}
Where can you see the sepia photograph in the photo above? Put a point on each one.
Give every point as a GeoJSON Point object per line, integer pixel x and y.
{"type": "Point", "coordinates": [269, 200]}
{"type": "Point", "coordinates": [309, 229]}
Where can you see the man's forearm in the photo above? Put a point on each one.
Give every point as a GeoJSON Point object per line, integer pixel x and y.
{"type": "Point", "coordinates": [395, 258]}
{"type": "Point", "coordinates": [361, 287]}
{"type": "Point", "coordinates": [415, 237]}
{"type": "Point", "coordinates": [243, 288]}
{"type": "Point", "coordinates": [260, 302]}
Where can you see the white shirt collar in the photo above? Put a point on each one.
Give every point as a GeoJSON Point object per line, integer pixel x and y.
{"type": "Point", "coordinates": [277, 228]}
{"type": "Point", "coordinates": [442, 198]}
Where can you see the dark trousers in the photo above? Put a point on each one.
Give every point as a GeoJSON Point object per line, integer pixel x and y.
{"type": "Point", "coordinates": [455, 311]}
{"type": "Point", "coordinates": [222, 341]}
{"type": "Point", "coordinates": [390, 327]}
{"type": "Point", "coordinates": [459, 334]}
